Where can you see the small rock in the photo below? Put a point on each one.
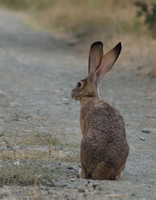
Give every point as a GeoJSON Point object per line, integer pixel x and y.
{"type": "Point", "coordinates": [117, 192]}
{"type": "Point", "coordinates": [1, 131]}
{"type": "Point", "coordinates": [145, 130]}
{"type": "Point", "coordinates": [149, 98]}
{"type": "Point", "coordinates": [142, 138]}
{"type": "Point", "coordinates": [6, 187]}
{"type": "Point", "coordinates": [22, 147]}
{"type": "Point", "coordinates": [35, 117]}
{"type": "Point", "coordinates": [134, 195]}
{"type": "Point", "coordinates": [151, 116]}
{"type": "Point", "coordinates": [81, 190]}
{"type": "Point", "coordinates": [23, 160]}
{"type": "Point", "coordinates": [73, 42]}
{"type": "Point", "coordinates": [15, 148]}
{"type": "Point", "coordinates": [55, 196]}
{"type": "Point", "coordinates": [17, 163]}
{"type": "Point", "coordinates": [52, 192]}
{"type": "Point", "coordinates": [42, 187]}
{"type": "Point", "coordinates": [13, 105]}
{"type": "Point", "coordinates": [70, 186]}
{"type": "Point", "coordinates": [99, 188]}
{"type": "Point", "coordinates": [85, 194]}
{"type": "Point", "coordinates": [72, 179]}
{"type": "Point", "coordinates": [3, 94]}
{"type": "Point", "coordinates": [44, 192]}
{"type": "Point", "coordinates": [27, 131]}
{"type": "Point", "coordinates": [10, 145]}
{"type": "Point", "coordinates": [90, 185]}
{"type": "Point", "coordinates": [69, 167]}
{"type": "Point", "coordinates": [57, 90]}
{"type": "Point", "coordinates": [63, 185]}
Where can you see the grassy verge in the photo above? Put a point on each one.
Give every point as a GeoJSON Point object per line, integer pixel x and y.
{"type": "Point", "coordinates": [38, 162]}
{"type": "Point", "coordinates": [28, 174]}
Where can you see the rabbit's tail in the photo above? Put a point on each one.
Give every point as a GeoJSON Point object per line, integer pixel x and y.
{"type": "Point", "coordinates": [102, 171]}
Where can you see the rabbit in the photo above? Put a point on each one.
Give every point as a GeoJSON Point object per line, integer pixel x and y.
{"type": "Point", "coordinates": [104, 148]}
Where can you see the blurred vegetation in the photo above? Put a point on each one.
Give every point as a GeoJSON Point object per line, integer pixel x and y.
{"type": "Point", "coordinates": [82, 18]}
{"type": "Point", "coordinates": [28, 4]}
{"type": "Point", "coordinates": [148, 11]}
{"type": "Point", "coordinates": [87, 21]}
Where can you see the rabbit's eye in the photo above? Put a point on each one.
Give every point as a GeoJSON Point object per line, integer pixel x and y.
{"type": "Point", "coordinates": [79, 84]}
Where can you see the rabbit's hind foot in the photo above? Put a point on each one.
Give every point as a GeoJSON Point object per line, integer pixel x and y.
{"type": "Point", "coordinates": [102, 172]}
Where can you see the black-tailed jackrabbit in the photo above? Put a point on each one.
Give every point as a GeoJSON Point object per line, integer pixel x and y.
{"type": "Point", "coordinates": [104, 147]}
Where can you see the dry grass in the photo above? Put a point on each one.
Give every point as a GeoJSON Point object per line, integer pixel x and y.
{"type": "Point", "coordinates": [42, 149]}
{"type": "Point", "coordinates": [31, 165]}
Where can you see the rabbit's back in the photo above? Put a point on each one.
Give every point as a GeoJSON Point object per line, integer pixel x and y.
{"type": "Point", "coordinates": [99, 116]}
{"type": "Point", "coordinates": [104, 137]}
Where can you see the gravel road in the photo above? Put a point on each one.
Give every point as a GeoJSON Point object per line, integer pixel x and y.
{"type": "Point", "coordinates": [37, 73]}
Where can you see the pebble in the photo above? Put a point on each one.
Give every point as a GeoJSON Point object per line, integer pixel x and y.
{"type": "Point", "coordinates": [15, 148]}
{"type": "Point", "coordinates": [142, 138]}
{"type": "Point", "coordinates": [145, 130]}
{"type": "Point", "coordinates": [13, 105]}
{"type": "Point", "coordinates": [81, 190]}
{"type": "Point", "coordinates": [117, 192]}
{"type": "Point", "coordinates": [99, 188]}
{"type": "Point", "coordinates": [6, 187]}
{"type": "Point", "coordinates": [3, 94]}
{"type": "Point", "coordinates": [73, 42]}
{"type": "Point", "coordinates": [16, 163]}
{"type": "Point", "coordinates": [69, 167]}
{"type": "Point", "coordinates": [27, 131]}
{"type": "Point", "coordinates": [1, 131]}
{"type": "Point", "coordinates": [63, 185]}
{"type": "Point", "coordinates": [10, 145]}
{"type": "Point", "coordinates": [55, 196]}
{"type": "Point", "coordinates": [90, 185]}
{"type": "Point", "coordinates": [35, 117]}
{"type": "Point", "coordinates": [22, 147]}
{"type": "Point", "coordinates": [70, 186]}
{"type": "Point", "coordinates": [134, 195]}
{"type": "Point", "coordinates": [52, 192]}
{"type": "Point", "coordinates": [149, 98]}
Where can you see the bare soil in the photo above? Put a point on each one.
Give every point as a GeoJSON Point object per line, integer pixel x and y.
{"type": "Point", "coordinates": [37, 73]}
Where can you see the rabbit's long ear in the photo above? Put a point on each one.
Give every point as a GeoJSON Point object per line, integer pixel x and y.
{"type": "Point", "coordinates": [95, 58]}
{"type": "Point", "coordinates": [108, 61]}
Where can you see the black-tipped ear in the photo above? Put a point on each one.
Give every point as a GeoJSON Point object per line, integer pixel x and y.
{"type": "Point", "coordinates": [118, 48]}
{"type": "Point", "coordinates": [108, 61]}
{"type": "Point", "coordinates": [95, 57]}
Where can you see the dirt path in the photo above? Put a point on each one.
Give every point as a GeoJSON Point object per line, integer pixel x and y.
{"type": "Point", "coordinates": [37, 74]}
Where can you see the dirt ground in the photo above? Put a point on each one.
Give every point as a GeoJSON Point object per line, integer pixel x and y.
{"type": "Point", "coordinates": [37, 73]}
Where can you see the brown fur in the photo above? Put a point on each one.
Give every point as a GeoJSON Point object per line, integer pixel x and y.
{"type": "Point", "coordinates": [104, 149]}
